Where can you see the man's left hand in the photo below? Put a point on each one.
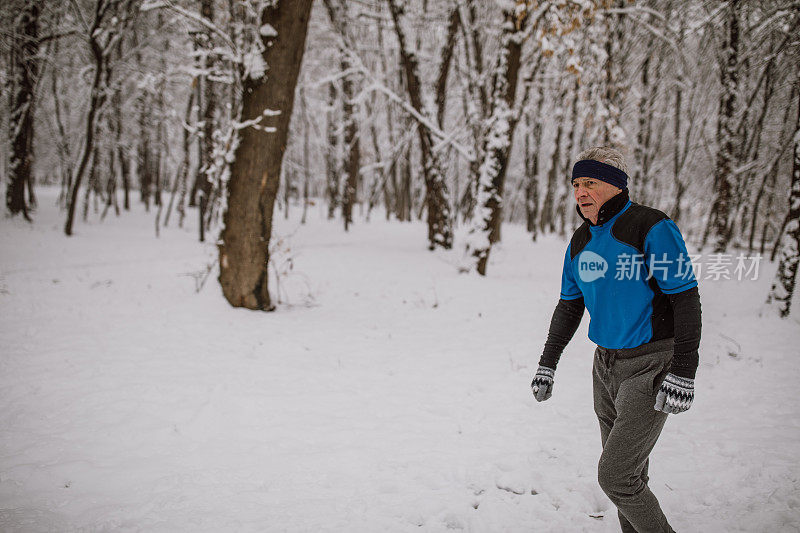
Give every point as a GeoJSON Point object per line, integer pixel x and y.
{"type": "Point", "coordinates": [542, 384]}
{"type": "Point", "coordinates": [675, 394]}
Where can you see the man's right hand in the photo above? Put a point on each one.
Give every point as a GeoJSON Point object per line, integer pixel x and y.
{"type": "Point", "coordinates": [542, 384]}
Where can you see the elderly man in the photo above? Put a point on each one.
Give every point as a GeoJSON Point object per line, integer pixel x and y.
{"type": "Point", "coordinates": [628, 265]}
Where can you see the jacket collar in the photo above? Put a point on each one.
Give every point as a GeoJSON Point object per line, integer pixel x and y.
{"type": "Point", "coordinates": [608, 210]}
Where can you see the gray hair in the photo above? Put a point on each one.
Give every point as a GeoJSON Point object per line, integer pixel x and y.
{"type": "Point", "coordinates": [606, 155]}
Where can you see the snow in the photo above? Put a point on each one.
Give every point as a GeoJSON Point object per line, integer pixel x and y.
{"type": "Point", "coordinates": [255, 67]}
{"type": "Point", "coordinates": [574, 64]}
{"type": "Point", "coordinates": [506, 5]}
{"type": "Point", "coordinates": [267, 30]}
{"type": "Point", "coordinates": [386, 393]}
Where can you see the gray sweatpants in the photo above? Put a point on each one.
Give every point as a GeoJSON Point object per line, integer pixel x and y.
{"type": "Point", "coordinates": [625, 385]}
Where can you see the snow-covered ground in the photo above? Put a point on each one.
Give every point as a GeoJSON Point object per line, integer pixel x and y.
{"type": "Point", "coordinates": [387, 393]}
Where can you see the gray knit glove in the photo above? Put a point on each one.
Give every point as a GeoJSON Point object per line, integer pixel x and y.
{"type": "Point", "coordinates": [542, 384]}
{"type": "Point", "coordinates": [675, 394]}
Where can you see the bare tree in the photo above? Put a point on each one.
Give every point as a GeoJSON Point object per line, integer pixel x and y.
{"type": "Point", "coordinates": [723, 171]}
{"type": "Point", "coordinates": [111, 17]}
{"type": "Point", "coordinates": [255, 172]}
{"type": "Point", "coordinates": [179, 184]}
{"type": "Point", "coordinates": [352, 146]}
{"type": "Point", "coordinates": [209, 104]}
{"type": "Point", "coordinates": [440, 231]}
{"type": "Point", "coordinates": [533, 144]}
{"type": "Point", "coordinates": [613, 87]}
{"type": "Point", "coordinates": [783, 287]}
{"type": "Point", "coordinates": [306, 121]}
{"type": "Point", "coordinates": [497, 143]}
{"type": "Point", "coordinates": [25, 73]}
{"type": "Point", "coordinates": [554, 177]}
{"type": "Point", "coordinates": [331, 153]}
{"type": "Point", "coordinates": [339, 17]}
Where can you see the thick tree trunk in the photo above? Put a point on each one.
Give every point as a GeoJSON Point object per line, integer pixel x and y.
{"type": "Point", "coordinates": [783, 287]}
{"type": "Point", "coordinates": [26, 72]}
{"type": "Point", "coordinates": [256, 169]}
{"type": "Point", "coordinates": [723, 172]}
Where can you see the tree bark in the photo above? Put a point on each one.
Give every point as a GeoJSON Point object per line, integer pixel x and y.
{"type": "Point", "coordinates": [62, 143]}
{"type": "Point", "coordinates": [96, 100]}
{"type": "Point", "coordinates": [644, 151]}
{"type": "Point", "coordinates": [182, 175]}
{"type": "Point", "coordinates": [533, 143]}
{"type": "Point", "coordinates": [444, 67]}
{"type": "Point", "coordinates": [26, 71]}
{"type": "Point", "coordinates": [391, 194]}
{"type": "Point", "coordinates": [440, 231]}
{"type": "Point", "coordinates": [548, 211]}
{"type": "Point", "coordinates": [783, 287]}
{"type": "Point", "coordinates": [331, 154]}
{"type": "Point", "coordinates": [209, 102]}
{"type": "Point", "coordinates": [679, 155]}
{"type": "Point", "coordinates": [306, 154]}
{"type": "Point", "coordinates": [352, 145]}
{"type": "Point", "coordinates": [256, 168]}
{"type": "Point", "coordinates": [498, 140]}
{"type": "Point", "coordinates": [723, 172]}
{"type": "Point", "coordinates": [612, 94]}
{"type": "Point", "coordinates": [338, 14]}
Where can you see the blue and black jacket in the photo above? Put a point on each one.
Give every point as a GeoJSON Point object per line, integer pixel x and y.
{"type": "Point", "coordinates": [632, 272]}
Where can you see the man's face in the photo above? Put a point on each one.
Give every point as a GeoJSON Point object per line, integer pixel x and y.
{"type": "Point", "coordinates": [591, 194]}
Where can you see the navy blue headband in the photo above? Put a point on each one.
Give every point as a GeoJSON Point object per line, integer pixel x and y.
{"type": "Point", "coordinates": [589, 168]}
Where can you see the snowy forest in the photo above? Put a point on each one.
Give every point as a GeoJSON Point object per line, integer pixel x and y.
{"type": "Point", "coordinates": [456, 112]}
{"type": "Point", "coordinates": [392, 178]}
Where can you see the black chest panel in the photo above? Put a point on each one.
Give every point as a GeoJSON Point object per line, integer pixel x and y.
{"type": "Point", "coordinates": [580, 239]}
{"type": "Point", "coordinates": [635, 223]}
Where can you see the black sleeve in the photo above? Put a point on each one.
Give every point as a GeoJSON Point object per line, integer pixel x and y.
{"type": "Point", "coordinates": [686, 309]}
{"type": "Point", "coordinates": [565, 321]}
